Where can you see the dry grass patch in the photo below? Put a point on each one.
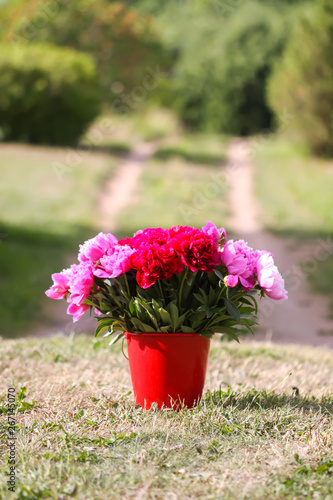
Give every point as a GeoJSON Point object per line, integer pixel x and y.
{"type": "Point", "coordinates": [79, 433]}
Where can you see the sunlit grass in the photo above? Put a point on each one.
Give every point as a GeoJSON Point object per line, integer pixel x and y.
{"type": "Point", "coordinates": [48, 202]}
{"type": "Point", "coordinates": [257, 433]}
{"type": "Point", "coordinates": [294, 188]}
{"type": "Point", "coordinates": [175, 192]}
{"type": "Point", "coordinates": [295, 191]}
{"type": "Point", "coordinates": [44, 188]}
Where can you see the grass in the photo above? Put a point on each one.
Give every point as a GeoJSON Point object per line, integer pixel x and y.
{"type": "Point", "coordinates": [295, 191]}
{"type": "Point", "coordinates": [173, 192]}
{"type": "Point", "coordinates": [207, 149]}
{"type": "Point", "coordinates": [294, 188]}
{"type": "Point", "coordinates": [49, 201]}
{"type": "Point", "coordinates": [42, 220]}
{"type": "Point", "coordinates": [143, 124]}
{"type": "Point", "coordinates": [257, 433]}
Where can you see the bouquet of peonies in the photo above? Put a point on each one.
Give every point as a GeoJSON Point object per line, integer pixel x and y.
{"type": "Point", "coordinates": [178, 280]}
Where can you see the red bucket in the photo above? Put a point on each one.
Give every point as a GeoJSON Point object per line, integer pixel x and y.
{"type": "Point", "coordinates": [168, 369]}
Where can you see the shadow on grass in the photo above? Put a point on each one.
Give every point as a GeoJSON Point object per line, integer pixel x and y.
{"type": "Point", "coordinates": [167, 152]}
{"type": "Point", "coordinates": [121, 149]}
{"type": "Point", "coordinates": [319, 264]}
{"type": "Point", "coordinates": [27, 260]}
{"type": "Point", "coordinates": [264, 401]}
{"type": "Point", "coordinates": [302, 234]}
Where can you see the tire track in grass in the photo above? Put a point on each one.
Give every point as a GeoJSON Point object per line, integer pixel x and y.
{"type": "Point", "coordinates": [302, 319]}
{"type": "Point", "coordinates": [119, 188]}
{"type": "Point", "coordinates": [117, 193]}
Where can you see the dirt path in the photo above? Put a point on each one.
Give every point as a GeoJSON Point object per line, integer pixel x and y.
{"type": "Point", "coordinates": [119, 189]}
{"type": "Point", "coordinates": [117, 193]}
{"type": "Point", "coordinates": [302, 319]}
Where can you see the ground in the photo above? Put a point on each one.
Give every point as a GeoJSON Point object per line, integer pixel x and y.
{"type": "Point", "coordinates": [263, 430]}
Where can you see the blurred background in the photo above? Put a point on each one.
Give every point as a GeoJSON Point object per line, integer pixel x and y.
{"type": "Point", "coordinates": [116, 116]}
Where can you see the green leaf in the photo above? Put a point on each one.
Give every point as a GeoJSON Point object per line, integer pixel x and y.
{"type": "Point", "coordinates": [156, 308]}
{"type": "Point", "coordinates": [104, 324]}
{"type": "Point", "coordinates": [219, 275]}
{"type": "Point", "coordinates": [209, 312]}
{"type": "Point", "coordinates": [180, 320]}
{"type": "Point", "coordinates": [197, 316]}
{"type": "Point", "coordinates": [153, 320]}
{"type": "Point", "coordinates": [174, 315]}
{"type": "Point", "coordinates": [232, 310]}
{"type": "Point", "coordinates": [166, 318]}
{"type": "Point", "coordinates": [190, 278]}
{"type": "Point", "coordinates": [165, 329]}
{"type": "Point", "coordinates": [205, 333]}
{"type": "Point", "coordinates": [218, 319]}
{"type": "Point", "coordinates": [187, 329]}
{"type": "Point", "coordinates": [109, 332]}
{"type": "Point", "coordinates": [228, 331]}
{"type": "Point", "coordinates": [142, 327]}
{"type": "Point", "coordinates": [145, 305]}
{"type": "Point", "coordinates": [200, 298]}
{"type": "Point", "coordinates": [116, 338]}
{"type": "Point", "coordinates": [246, 310]}
{"type": "Point", "coordinates": [131, 307]}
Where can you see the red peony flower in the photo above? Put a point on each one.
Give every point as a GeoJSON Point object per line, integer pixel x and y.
{"type": "Point", "coordinates": [196, 249]}
{"type": "Point", "coordinates": [147, 237]}
{"type": "Point", "coordinates": [155, 262]}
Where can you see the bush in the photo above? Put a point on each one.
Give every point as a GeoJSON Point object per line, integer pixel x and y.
{"type": "Point", "coordinates": [302, 82]}
{"type": "Point", "coordinates": [122, 41]}
{"type": "Point", "coordinates": [222, 59]}
{"type": "Point", "coordinates": [48, 95]}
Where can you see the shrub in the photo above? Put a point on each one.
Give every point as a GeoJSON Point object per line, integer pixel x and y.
{"type": "Point", "coordinates": [48, 95]}
{"type": "Point", "coordinates": [121, 40]}
{"type": "Point", "coordinates": [223, 52]}
{"type": "Point", "coordinates": [302, 82]}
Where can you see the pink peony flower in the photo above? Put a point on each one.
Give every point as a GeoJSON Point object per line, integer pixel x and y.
{"type": "Point", "coordinates": [197, 250]}
{"type": "Point", "coordinates": [155, 262]}
{"type": "Point", "coordinates": [61, 285]}
{"type": "Point", "coordinates": [240, 261]}
{"type": "Point", "coordinates": [220, 235]}
{"type": "Point", "coordinates": [269, 277]}
{"type": "Point", "coordinates": [231, 280]}
{"type": "Point", "coordinates": [95, 248]}
{"type": "Point", "coordinates": [77, 311]}
{"type": "Point", "coordinates": [81, 283]}
{"type": "Point", "coordinates": [115, 263]}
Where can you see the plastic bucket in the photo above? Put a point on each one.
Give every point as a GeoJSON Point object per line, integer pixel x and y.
{"type": "Point", "coordinates": [168, 369]}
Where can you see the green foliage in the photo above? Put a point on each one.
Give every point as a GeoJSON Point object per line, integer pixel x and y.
{"type": "Point", "coordinates": [121, 41]}
{"type": "Point", "coordinates": [303, 80]}
{"type": "Point", "coordinates": [48, 95]}
{"type": "Point", "coordinates": [186, 303]}
{"type": "Point", "coordinates": [221, 60]}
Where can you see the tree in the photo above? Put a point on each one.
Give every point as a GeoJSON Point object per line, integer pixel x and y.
{"type": "Point", "coordinates": [121, 40]}
{"type": "Point", "coordinates": [302, 82]}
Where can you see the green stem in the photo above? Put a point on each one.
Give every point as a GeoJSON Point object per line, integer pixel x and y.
{"type": "Point", "coordinates": [181, 287]}
{"type": "Point", "coordinates": [111, 293]}
{"type": "Point", "coordinates": [161, 289]}
{"type": "Point", "coordinates": [220, 294]}
{"type": "Point", "coordinates": [127, 286]}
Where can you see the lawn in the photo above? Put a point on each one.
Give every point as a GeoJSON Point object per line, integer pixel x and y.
{"type": "Point", "coordinates": [43, 219]}
{"type": "Point", "coordinates": [49, 200]}
{"type": "Point", "coordinates": [176, 192]}
{"type": "Point", "coordinates": [264, 428]}
{"type": "Point", "coordinates": [295, 191]}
